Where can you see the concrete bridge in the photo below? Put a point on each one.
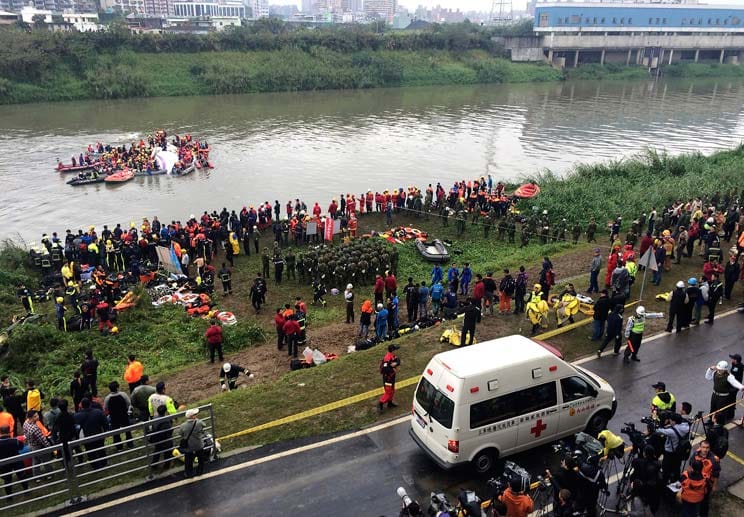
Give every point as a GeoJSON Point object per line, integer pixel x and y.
{"type": "Point", "coordinates": [643, 49]}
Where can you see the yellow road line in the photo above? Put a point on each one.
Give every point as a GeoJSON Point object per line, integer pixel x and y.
{"type": "Point", "coordinates": [734, 457]}
{"type": "Point", "coordinates": [320, 409]}
{"type": "Point", "coordinates": [373, 393]}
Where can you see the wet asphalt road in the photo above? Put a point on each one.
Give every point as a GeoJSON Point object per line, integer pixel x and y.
{"type": "Point", "coordinates": [359, 476]}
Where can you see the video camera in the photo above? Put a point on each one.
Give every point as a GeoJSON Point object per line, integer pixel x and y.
{"type": "Point", "coordinates": [514, 476]}
{"type": "Point", "coordinates": [637, 438]}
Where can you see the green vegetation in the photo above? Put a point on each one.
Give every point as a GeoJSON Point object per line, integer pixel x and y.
{"type": "Point", "coordinates": [270, 56]}
{"type": "Point", "coordinates": [703, 70]}
{"type": "Point", "coordinates": [631, 186]}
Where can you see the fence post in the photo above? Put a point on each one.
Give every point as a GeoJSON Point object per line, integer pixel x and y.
{"type": "Point", "coordinates": [72, 482]}
{"type": "Point", "coordinates": [214, 432]}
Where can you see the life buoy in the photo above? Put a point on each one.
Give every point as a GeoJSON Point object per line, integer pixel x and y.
{"type": "Point", "coordinates": [226, 318]}
{"type": "Point", "coordinates": [416, 232]}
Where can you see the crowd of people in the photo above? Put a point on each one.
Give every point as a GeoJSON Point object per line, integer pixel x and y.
{"type": "Point", "coordinates": [674, 233]}
{"type": "Point", "coordinates": [29, 421]}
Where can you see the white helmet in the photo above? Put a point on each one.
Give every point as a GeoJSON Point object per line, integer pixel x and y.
{"type": "Point", "coordinates": [349, 287]}
{"type": "Point", "coordinates": [722, 365]}
{"type": "Point", "coordinates": [226, 367]}
{"type": "Point", "coordinates": [641, 310]}
{"type": "Point", "coordinates": [680, 284]}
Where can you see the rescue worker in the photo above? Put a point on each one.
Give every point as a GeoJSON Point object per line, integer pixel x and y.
{"type": "Point", "coordinates": [677, 302]}
{"type": "Point", "coordinates": [140, 397]}
{"type": "Point", "coordinates": [472, 316]}
{"type": "Point", "coordinates": [226, 278]}
{"type": "Point", "coordinates": [133, 372]}
{"type": "Point", "coordinates": [381, 322]}
{"type": "Point", "coordinates": [663, 400]}
{"type": "Point", "coordinates": [349, 300]}
{"type": "Point", "coordinates": [26, 298]}
{"type": "Point", "coordinates": [159, 398]}
{"type": "Point", "coordinates": [692, 490]}
{"type": "Point", "coordinates": [537, 309]}
{"type": "Point", "coordinates": [388, 368]}
{"type": "Point", "coordinates": [89, 369]}
{"type": "Point", "coordinates": [725, 387]}
{"type": "Point", "coordinates": [60, 310]}
{"type": "Point", "coordinates": [566, 305]}
{"type": "Point", "coordinates": [292, 330]}
{"type": "Point", "coordinates": [614, 330]}
{"type": "Point", "coordinates": [634, 332]}
{"type": "Point", "coordinates": [214, 340]}
{"type": "Point", "coordinates": [229, 375]}
{"type": "Point", "coordinates": [711, 470]}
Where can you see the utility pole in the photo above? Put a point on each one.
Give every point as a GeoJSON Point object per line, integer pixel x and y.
{"type": "Point", "coordinates": [501, 12]}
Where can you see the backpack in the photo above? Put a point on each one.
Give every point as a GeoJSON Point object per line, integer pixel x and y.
{"type": "Point", "coordinates": [684, 447]}
{"type": "Point", "coordinates": [550, 278]}
{"type": "Point", "coordinates": [509, 286]}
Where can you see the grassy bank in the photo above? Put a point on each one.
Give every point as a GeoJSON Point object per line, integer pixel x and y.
{"type": "Point", "coordinates": [129, 74]}
{"type": "Point", "coordinates": [170, 344]}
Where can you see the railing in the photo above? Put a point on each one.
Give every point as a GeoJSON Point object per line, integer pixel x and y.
{"type": "Point", "coordinates": [71, 473]}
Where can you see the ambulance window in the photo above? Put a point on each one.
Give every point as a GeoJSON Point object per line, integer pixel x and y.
{"type": "Point", "coordinates": [536, 398]}
{"type": "Point", "coordinates": [575, 388]}
{"type": "Point", "coordinates": [435, 403]}
{"type": "Point", "coordinates": [513, 404]}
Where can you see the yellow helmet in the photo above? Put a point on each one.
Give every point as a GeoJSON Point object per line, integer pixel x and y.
{"type": "Point", "coordinates": [60, 299]}
{"type": "Point", "coordinates": [114, 330]}
{"type": "Point", "coordinates": [537, 286]}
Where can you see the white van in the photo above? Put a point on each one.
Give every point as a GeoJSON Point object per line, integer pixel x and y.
{"type": "Point", "coordinates": [500, 397]}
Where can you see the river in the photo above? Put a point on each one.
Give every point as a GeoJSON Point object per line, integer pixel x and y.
{"type": "Point", "coordinates": [316, 145]}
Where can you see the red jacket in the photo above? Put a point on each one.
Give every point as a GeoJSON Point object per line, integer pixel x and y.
{"type": "Point", "coordinates": [214, 335]}
{"type": "Point", "coordinates": [479, 291]}
{"type": "Point", "coordinates": [291, 327]}
{"type": "Point", "coordinates": [279, 320]}
{"type": "Point", "coordinates": [379, 286]}
{"type": "Point", "coordinates": [390, 283]}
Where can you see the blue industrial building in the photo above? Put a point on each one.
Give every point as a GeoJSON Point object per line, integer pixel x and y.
{"type": "Point", "coordinates": [650, 35]}
{"type": "Point", "coordinates": [597, 17]}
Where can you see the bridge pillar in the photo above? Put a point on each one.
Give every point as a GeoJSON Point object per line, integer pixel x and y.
{"type": "Point", "coordinates": [576, 59]}
{"type": "Point", "coordinates": [550, 56]}
{"type": "Point", "coordinates": [723, 52]}
{"type": "Point", "coordinates": [638, 56]}
{"type": "Point", "coordinates": [602, 57]}
{"type": "Point", "coordinates": [671, 53]}
{"type": "Point", "coordinates": [627, 60]}
{"type": "Point", "coordinates": [697, 55]}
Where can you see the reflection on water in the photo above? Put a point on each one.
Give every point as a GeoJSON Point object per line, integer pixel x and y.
{"type": "Point", "coordinates": [314, 145]}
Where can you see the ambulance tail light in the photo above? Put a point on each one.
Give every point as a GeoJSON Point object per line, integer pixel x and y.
{"type": "Point", "coordinates": [453, 446]}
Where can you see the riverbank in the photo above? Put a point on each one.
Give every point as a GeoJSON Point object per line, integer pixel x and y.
{"type": "Point", "coordinates": [127, 74]}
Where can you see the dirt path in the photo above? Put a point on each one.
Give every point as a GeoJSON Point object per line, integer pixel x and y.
{"type": "Point", "coordinates": [268, 364]}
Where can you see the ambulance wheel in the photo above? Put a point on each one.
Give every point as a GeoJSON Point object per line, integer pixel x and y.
{"type": "Point", "coordinates": [485, 461]}
{"type": "Point", "coordinates": [597, 423]}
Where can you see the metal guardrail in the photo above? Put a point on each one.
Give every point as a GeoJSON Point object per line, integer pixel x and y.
{"type": "Point", "coordinates": [71, 473]}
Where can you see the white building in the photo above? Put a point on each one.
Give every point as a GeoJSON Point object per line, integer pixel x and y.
{"type": "Point", "coordinates": [28, 13]}
{"type": "Point", "coordinates": [83, 22]}
{"type": "Point", "coordinates": [193, 8]}
{"type": "Point", "coordinates": [260, 8]}
{"type": "Point", "coordinates": [124, 6]}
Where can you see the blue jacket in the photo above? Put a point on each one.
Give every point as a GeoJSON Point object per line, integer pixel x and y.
{"type": "Point", "coordinates": [381, 319]}
{"type": "Point", "coordinates": [436, 292]}
{"type": "Point", "coordinates": [436, 274]}
{"type": "Point", "coordinates": [451, 302]}
{"type": "Point", "coordinates": [452, 273]}
{"type": "Point", "coordinates": [467, 275]}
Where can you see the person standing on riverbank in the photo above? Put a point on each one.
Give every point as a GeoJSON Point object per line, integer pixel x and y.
{"type": "Point", "coordinates": [594, 268]}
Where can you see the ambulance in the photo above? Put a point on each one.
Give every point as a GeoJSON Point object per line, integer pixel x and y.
{"type": "Point", "coordinates": [487, 401]}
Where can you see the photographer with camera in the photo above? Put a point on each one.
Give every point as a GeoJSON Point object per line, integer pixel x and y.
{"type": "Point", "coordinates": [592, 481]}
{"type": "Point", "coordinates": [518, 502]}
{"type": "Point", "coordinates": [646, 479]}
{"type": "Point", "coordinates": [566, 478]}
{"type": "Point", "coordinates": [677, 448]}
{"type": "Point", "coordinates": [614, 446]}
